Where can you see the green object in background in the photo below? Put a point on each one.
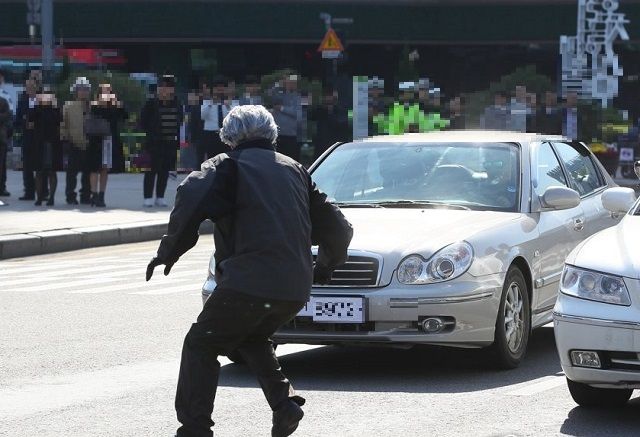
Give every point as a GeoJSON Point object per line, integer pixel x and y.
{"type": "Point", "coordinates": [408, 118]}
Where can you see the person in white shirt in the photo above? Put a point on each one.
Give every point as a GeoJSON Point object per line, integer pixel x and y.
{"type": "Point", "coordinates": [213, 110]}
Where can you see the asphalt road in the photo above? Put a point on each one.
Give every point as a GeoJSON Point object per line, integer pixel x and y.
{"type": "Point", "coordinates": [87, 348]}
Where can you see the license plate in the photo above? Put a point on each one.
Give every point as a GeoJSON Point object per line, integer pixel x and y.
{"type": "Point", "coordinates": [334, 309]}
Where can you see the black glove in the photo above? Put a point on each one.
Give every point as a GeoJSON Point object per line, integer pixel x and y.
{"type": "Point", "coordinates": [155, 262]}
{"type": "Point", "coordinates": [321, 274]}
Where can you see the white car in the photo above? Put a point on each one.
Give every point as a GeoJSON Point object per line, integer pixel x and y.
{"type": "Point", "coordinates": [459, 239]}
{"type": "Point", "coordinates": [597, 315]}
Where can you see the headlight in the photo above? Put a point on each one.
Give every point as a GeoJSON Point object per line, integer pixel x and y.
{"type": "Point", "coordinates": [590, 285]}
{"type": "Point", "coordinates": [444, 265]}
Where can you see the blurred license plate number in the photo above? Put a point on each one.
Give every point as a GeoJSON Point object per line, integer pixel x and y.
{"type": "Point", "coordinates": [334, 309]}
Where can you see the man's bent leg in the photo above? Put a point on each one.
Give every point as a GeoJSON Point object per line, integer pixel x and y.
{"type": "Point", "coordinates": [260, 356]}
{"type": "Point", "coordinates": [224, 323]}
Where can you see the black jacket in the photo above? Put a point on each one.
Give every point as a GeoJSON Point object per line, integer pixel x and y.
{"type": "Point", "coordinates": [267, 214]}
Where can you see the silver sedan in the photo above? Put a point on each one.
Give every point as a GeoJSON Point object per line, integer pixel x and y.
{"type": "Point", "coordinates": [459, 239]}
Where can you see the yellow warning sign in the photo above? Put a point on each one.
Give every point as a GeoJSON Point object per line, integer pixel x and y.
{"type": "Point", "coordinates": [331, 42]}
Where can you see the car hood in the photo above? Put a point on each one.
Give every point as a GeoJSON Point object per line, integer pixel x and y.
{"type": "Point", "coordinates": [615, 250]}
{"type": "Point", "coordinates": [398, 232]}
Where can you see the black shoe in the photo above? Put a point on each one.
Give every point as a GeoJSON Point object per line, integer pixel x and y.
{"type": "Point", "coordinates": [38, 202]}
{"type": "Point", "coordinates": [27, 197]}
{"type": "Point", "coordinates": [5, 193]}
{"type": "Point", "coordinates": [100, 200]}
{"type": "Point", "coordinates": [286, 419]}
{"type": "Point", "coordinates": [73, 201]}
{"type": "Point", "coordinates": [50, 201]}
{"type": "Point", "coordinates": [85, 200]}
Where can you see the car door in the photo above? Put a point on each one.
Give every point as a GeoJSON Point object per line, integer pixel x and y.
{"type": "Point", "coordinates": [559, 230]}
{"type": "Point", "coordinates": [586, 178]}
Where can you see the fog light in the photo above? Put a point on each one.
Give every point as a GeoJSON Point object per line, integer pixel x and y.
{"type": "Point", "coordinates": [432, 325]}
{"type": "Point", "coordinates": [585, 359]}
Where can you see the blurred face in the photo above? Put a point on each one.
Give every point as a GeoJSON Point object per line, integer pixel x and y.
{"type": "Point", "coordinates": [83, 93]}
{"type": "Point", "coordinates": [521, 94]}
{"type": "Point", "coordinates": [455, 105]}
{"type": "Point", "coordinates": [550, 99]}
{"type": "Point", "coordinates": [30, 87]}
{"type": "Point", "coordinates": [572, 100]}
{"type": "Point", "coordinates": [291, 85]}
{"type": "Point", "coordinates": [253, 88]}
{"type": "Point", "coordinates": [192, 98]}
{"type": "Point", "coordinates": [219, 89]}
{"type": "Point", "coordinates": [165, 92]}
{"type": "Point", "coordinates": [500, 100]}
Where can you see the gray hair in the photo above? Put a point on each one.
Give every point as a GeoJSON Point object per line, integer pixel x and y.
{"type": "Point", "coordinates": [248, 122]}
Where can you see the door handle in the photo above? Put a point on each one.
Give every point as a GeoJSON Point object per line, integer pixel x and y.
{"type": "Point", "coordinates": [578, 224]}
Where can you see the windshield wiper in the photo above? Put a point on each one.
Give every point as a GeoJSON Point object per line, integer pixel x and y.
{"type": "Point", "coordinates": [356, 205]}
{"type": "Point", "coordinates": [420, 204]}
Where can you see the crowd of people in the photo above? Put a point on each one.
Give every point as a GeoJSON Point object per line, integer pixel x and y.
{"type": "Point", "coordinates": [82, 136]}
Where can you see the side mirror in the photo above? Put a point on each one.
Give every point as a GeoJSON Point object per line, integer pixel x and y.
{"type": "Point", "coordinates": [560, 198]}
{"type": "Point", "coordinates": [618, 199]}
{"type": "Point", "coordinates": [636, 168]}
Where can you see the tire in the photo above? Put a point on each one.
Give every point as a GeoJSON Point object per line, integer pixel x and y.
{"type": "Point", "coordinates": [587, 396]}
{"type": "Point", "coordinates": [237, 358]}
{"type": "Point", "coordinates": [512, 327]}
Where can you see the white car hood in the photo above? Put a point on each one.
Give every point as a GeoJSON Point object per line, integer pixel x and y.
{"type": "Point", "coordinates": [615, 250]}
{"type": "Point", "coordinates": [398, 232]}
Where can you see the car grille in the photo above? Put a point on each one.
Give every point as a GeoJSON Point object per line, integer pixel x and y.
{"type": "Point", "coordinates": [358, 271]}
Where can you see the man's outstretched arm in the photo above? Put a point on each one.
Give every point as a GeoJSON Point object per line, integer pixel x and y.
{"type": "Point", "coordinates": [330, 231]}
{"type": "Point", "coordinates": [205, 194]}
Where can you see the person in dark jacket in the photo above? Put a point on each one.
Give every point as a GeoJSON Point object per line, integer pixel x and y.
{"type": "Point", "coordinates": [45, 118]}
{"type": "Point", "coordinates": [161, 119]}
{"type": "Point", "coordinates": [549, 117]}
{"type": "Point", "coordinates": [332, 124]}
{"type": "Point", "coordinates": [26, 103]}
{"type": "Point", "coordinates": [267, 214]}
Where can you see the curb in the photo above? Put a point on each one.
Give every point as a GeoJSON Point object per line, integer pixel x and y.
{"type": "Point", "coordinates": [62, 240]}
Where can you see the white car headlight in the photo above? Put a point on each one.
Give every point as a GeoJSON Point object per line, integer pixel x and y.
{"type": "Point", "coordinates": [590, 285]}
{"type": "Point", "coordinates": [444, 265]}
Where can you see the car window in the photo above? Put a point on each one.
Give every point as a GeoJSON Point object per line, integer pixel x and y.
{"type": "Point", "coordinates": [474, 175]}
{"type": "Point", "coordinates": [547, 171]}
{"type": "Point", "coordinates": [585, 178]}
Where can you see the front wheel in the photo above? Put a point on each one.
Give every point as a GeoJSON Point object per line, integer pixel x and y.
{"type": "Point", "coordinates": [587, 396]}
{"type": "Point", "coordinates": [513, 323]}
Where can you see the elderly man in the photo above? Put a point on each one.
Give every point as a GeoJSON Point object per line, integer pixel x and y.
{"type": "Point", "coordinates": [267, 214]}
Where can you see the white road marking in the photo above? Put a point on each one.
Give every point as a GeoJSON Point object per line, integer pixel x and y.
{"type": "Point", "coordinates": [536, 386]}
{"type": "Point", "coordinates": [45, 284]}
{"type": "Point", "coordinates": [48, 394]}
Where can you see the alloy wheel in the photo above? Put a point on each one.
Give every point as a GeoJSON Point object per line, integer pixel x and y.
{"type": "Point", "coordinates": [514, 317]}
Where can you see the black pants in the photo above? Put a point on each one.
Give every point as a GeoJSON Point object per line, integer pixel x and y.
{"type": "Point", "coordinates": [288, 145]}
{"type": "Point", "coordinates": [160, 178]}
{"type": "Point", "coordinates": [210, 145]}
{"type": "Point", "coordinates": [230, 321]}
{"type": "Point", "coordinates": [28, 179]}
{"type": "Point", "coordinates": [3, 165]}
{"type": "Point", "coordinates": [76, 164]}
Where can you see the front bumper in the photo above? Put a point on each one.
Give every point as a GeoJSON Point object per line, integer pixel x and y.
{"type": "Point", "coordinates": [393, 313]}
{"type": "Point", "coordinates": [579, 325]}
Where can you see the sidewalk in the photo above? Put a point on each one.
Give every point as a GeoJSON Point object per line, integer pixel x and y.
{"type": "Point", "coordinates": [26, 229]}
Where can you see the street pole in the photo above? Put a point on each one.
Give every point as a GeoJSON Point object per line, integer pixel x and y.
{"type": "Point", "coordinates": [47, 41]}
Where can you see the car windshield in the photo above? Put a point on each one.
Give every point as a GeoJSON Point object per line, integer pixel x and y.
{"type": "Point", "coordinates": [480, 176]}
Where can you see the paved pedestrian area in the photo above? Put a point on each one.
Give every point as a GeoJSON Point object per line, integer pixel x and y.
{"type": "Point", "coordinates": [123, 198]}
{"type": "Point", "coordinates": [90, 349]}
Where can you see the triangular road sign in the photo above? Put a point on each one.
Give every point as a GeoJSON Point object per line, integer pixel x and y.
{"type": "Point", "coordinates": [331, 42]}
